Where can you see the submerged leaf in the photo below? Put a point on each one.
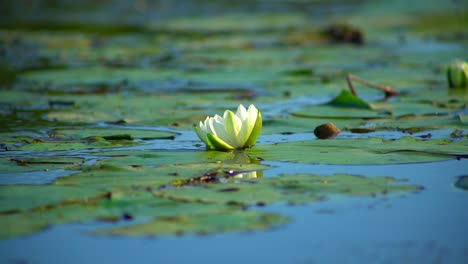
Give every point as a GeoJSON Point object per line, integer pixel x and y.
{"type": "Point", "coordinates": [462, 182]}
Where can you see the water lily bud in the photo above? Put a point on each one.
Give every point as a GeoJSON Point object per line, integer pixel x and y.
{"type": "Point", "coordinates": [231, 131]}
{"type": "Point", "coordinates": [457, 74]}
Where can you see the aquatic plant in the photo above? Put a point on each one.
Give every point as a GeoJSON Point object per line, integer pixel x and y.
{"type": "Point", "coordinates": [231, 131]}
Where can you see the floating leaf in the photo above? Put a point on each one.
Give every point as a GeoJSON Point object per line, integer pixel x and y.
{"type": "Point", "coordinates": [24, 197]}
{"type": "Point", "coordinates": [298, 188]}
{"type": "Point", "coordinates": [74, 145]}
{"type": "Point", "coordinates": [361, 151]}
{"type": "Point", "coordinates": [416, 123]}
{"type": "Point", "coordinates": [39, 163]}
{"type": "Point", "coordinates": [203, 224]}
{"type": "Point", "coordinates": [154, 158]}
{"type": "Point", "coordinates": [119, 206]}
{"type": "Point", "coordinates": [110, 176]}
{"type": "Point", "coordinates": [295, 124]}
{"type": "Point", "coordinates": [110, 134]}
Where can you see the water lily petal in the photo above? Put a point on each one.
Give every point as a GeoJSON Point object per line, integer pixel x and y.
{"type": "Point", "coordinates": [201, 132]}
{"type": "Point", "coordinates": [247, 123]}
{"type": "Point", "coordinates": [252, 114]}
{"type": "Point", "coordinates": [241, 112]}
{"type": "Point", "coordinates": [233, 126]}
{"type": "Point", "coordinates": [211, 125]}
{"type": "Point", "coordinates": [219, 129]}
{"type": "Point", "coordinates": [217, 143]}
{"type": "Point", "coordinates": [255, 131]}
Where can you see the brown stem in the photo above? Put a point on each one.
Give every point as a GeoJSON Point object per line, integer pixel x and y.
{"type": "Point", "coordinates": [389, 92]}
{"type": "Point", "coordinates": [350, 84]}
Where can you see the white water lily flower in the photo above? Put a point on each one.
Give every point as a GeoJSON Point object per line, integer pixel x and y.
{"type": "Point", "coordinates": [232, 131]}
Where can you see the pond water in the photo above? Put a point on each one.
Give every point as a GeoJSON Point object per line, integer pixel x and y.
{"type": "Point", "coordinates": [425, 227]}
{"type": "Point", "coordinates": [99, 161]}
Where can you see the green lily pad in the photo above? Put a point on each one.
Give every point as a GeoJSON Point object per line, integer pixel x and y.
{"type": "Point", "coordinates": [79, 48]}
{"type": "Point", "coordinates": [76, 145]}
{"type": "Point", "coordinates": [24, 197]}
{"type": "Point", "coordinates": [182, 212]}
{"type": "Point", "coordinates": [463, 119]}
{"type": "Point", "coordinates": [203, 224]}
{"type": "Point", "coordinates": [293, 189]}
{"type": "Point", "coordinates": [417, 123]}
{"type": "Point", "coordinates": [93, 75]}
{"type": "Point", "coordinates": [361, 151]}
{"type": "Point", "coordinates": [35, 164]}
{"type": "Point", "coordinates": [231, 23]}
{"type": "Point", "coordinates": [109, 176]}
{"type": "Point", "coordinates": [109, 134]}
{"type": "Point", "coordinates": [327, 111]}
{"type": "Point", "coordinates": [409, 108]}
{"type": "Point", "coordinates": [442, 98]}
{"type": "Point", "coordinates": [116, 207]}
{"type": "Point", "coordinates": [178, 110]}
{"type": "Point", "coordinates": [22, 99]}
{"type": "Point", "coordinates": [295, 124]}
{"type": "Point", "coordinates": [155, 158]}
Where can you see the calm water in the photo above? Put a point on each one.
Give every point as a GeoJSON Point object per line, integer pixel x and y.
{"type": "Point", "coordinates": [424, 227]}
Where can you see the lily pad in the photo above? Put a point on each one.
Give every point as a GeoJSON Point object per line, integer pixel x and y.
{"type": "Point", "coordinates": [7, 165]}
{"type": "Point", "coordinates": [116, 207]}
{"type": "Point", "coordinates": [296, 124]}
{"type": "Point", "coordinates": [361, 151]}
{"type": "Point", "coordinates": [23, 197]}
{"type": "Point", "coordinates": [326, 111]}
{"type": "Point", "coordinates": [417, 123]}
{"type": "Point", "coordinates": [239, 221]}
{"type": "Point", "coordinates": [76, 145]}
{"type": "Point", "coordinates": [155, 158]}
{"type": "Point", "coordinates": [110, 176]}
{"type": "Point", "coordinates": [234, 23]}
{"type": "Point", "coordinates": [293, 189]}
{"type": "Point", "coordinates": [110, 134]}
{"type": "Point", "coordinates": [94, 75]}
{"type": "Point", "coordinates": [399, 109]}
{"type": "Point", "coordinates": [179, 110]}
